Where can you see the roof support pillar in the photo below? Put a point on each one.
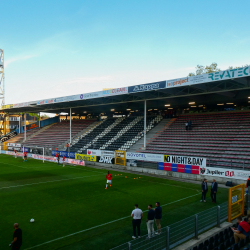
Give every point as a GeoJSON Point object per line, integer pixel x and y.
{"type": "Point", "coordinates": [145, 122]}
{"type": "Point", "coordinates": [24, 127]}
{"type": "Point", "coordinates": [70, 126]}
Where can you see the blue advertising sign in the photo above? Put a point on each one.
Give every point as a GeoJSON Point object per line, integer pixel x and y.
{"type": "Point", "coordinates": [62, 153]}
{"type": "Point", "coordinates": [147, 87]}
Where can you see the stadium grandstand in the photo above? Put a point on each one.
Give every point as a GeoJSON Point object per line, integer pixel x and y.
{"type": "Point", "coordinates": [184, 128]}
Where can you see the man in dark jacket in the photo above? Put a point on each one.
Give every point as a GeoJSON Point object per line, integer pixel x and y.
{"type": "Point", "coordinates": [17, 238]}
{"type": "Point", "coordinates": [158, 216]}
{"type": "Point", "coordinates": [214, 188]}
{"type": "Point", "coordinates": [204, 189]}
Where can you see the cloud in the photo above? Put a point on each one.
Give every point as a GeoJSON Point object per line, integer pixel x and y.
{"type": "Point", "coordinates": [17, 58]}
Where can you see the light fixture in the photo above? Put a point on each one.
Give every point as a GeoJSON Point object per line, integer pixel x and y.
{"type": "Point", "coordinates": [170, 108]}
{"type": "Point", "coordinates": [116, 112]}
{"type": "Point", "coordinates": [200, 106]}
{"type": "Point", "coordinates": [155, 109]}
{"type": "Point", "coordinates": [193, 106]}
{"type": "Point", "coordinates": [73, 113]}
{"type": "Point", "coordinates": [235, 105]}
{"type": "Point", "coordinates": [132, 111]}
{"type": "Point", "coordinates": [150, 110]}
{"type": "Point", "coordinates": [229, 103]}
{"type": "Point", "coordinates": [84, 112]}
{"type": "Point", "coordinates": [248, 97]}
{"type": "Point", "coordinates": [190, 103]}
{"type": "Point", "coordinates": [220, 104]}
{"type": "Point", "coordinates": [112, 110]}
{"type": "Point", "coordinates": [128, 109]}
{"type": "Point", "coordinates": [136, 111]}
{"type": "Point", "coordinates": [167, 105]}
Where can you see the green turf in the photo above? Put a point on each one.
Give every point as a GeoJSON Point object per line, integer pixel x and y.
{"type": "Point", "coordinates": [67, 200]}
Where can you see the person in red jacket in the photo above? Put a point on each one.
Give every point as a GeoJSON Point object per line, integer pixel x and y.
{"type": "Point", "coordinates": [109, 179]}
{"type": "Point", "coordinates": [15, 153]}
{"type": "Point", "coordinates": [63, 160]}
{"type": "Point", "coordinates": [57, 154]}
{"type": "Point", "coordinates": [25, 156]}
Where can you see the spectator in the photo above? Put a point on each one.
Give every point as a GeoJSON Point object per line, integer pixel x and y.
{"type": "Point", "coordinates": [243, 230]}
{"type": "Point", "coordinates": [158, 216]}
{"type": "Point", "coordinates": [150, 221]}
{"type": "Point", "coordinates": [17, 238]}
{"type": "Point", "coordinates": [248, 182]}
{"type": "Point", "coordinates": [137, 215]}
{"type": "Point", "coordinates": [186, 124]}
{"type": "Point", "coordinates": [67, 145]}
{"type": "Point", "coordinates": [214, 187]}
{"type": "Point", "coordinates": [204, 190]}
{"type": "Point", "coordinates": [189, 124]}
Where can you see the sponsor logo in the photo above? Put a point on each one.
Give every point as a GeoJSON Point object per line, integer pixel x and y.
{"type": "Point", "coordinates": [146, 87]}
{"type": "Point", "coordinates": [117, 91]}
{"type": "Point", "coordinates": [184, 160]}
{"type": "Point", "coordinates": [81, 96]}
{"type": "Point", "coordinates": [106, 159]}
{"type": "Point", "coordinates": [49, 101]}
{"type": "Point", "coordinates": [229, 173]}
{"type": "Point", "coordinates": [202, 170]}
{"type": "Point", "coordinates": [83, 157]}
{"type": "Point", "coordinates": [177, 82]}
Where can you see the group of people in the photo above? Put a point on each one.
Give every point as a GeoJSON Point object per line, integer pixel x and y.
{"type": "Point", "coordinates": [188, 125]}
{"type": "Point", "coordinates": [204, 190]}
{"type": "Point", "coordinates": [154, 216]}
{"type": "Point", "coordinates": [58, 159]}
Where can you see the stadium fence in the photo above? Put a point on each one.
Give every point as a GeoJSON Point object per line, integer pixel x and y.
{"type": "Point", "coordinates": [180, 231]}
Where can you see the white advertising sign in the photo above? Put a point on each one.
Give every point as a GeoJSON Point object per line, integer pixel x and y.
{"type": "Point", "coordinates": [211, 77]}
{"type": "Point", "coordinates": [117, 91]}
{"type": "Point", "coordinates": [91, 95]}
{"type": "Point", "coordinates": [222, 172]}
{"type": "Point", "coordinates": [97, 152]}
{"type": "Point", "coordinates": [186, 160]}
{"type": "Point", "coordinates": [144, 157]}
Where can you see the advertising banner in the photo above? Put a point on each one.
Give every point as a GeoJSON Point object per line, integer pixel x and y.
{"type": "Point", "coordinates": [118, 91]}
{"type": "Point", "coordinates": [144, 157]}
{"type": "Point", "coordinates": [75, 162]}
{"type": "Point", "coordinates": [186, 160]}
{"type": "Point", "coordinates": [33, 125]}
{"type": "Point", "coordinates": [211, 77]}
{"type": "Point", "coordinates": [107, 159]}
{"type": "Point", "coordinates": [94, 152]}
{"type": "Point", "coordinates": [181, 168]}
{"type": "Point", "coordinates": [64, 153]}
{"type": "Point", "coordinates": [83, 157]}
{"type": "Point", "coordinates": [147, 87]}
{"type": "Point", "coordinates": [18, 149]}
{"type": "Point", "coordinates": [222, 172]}
{"type": "Point", "coordinates": [14, 145]}
{"type": "Point", "coordinates": [19, 105]}
{"type": "Point", "coordinates": [91, 95]}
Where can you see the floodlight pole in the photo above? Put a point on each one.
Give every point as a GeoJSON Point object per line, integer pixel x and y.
{"type": "Point", "coordinates": [20, 116]}
{"type": "Point", "coordinates": [70, 126]}
{"type": "Point", "coordinates": [24, 126]}
{"type": "Point", "coordinates": [39, 119]}
{"type": "Point", "coordinates": [2, 90]}
{"type": "Point", "coordinates": [145, 122]}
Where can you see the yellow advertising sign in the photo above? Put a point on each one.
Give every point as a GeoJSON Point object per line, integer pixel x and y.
{"type": "Point", "coordinates": [82, 157]}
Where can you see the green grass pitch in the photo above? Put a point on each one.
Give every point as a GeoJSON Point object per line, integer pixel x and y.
{"type": "Point", "coordinates": [72, 209]}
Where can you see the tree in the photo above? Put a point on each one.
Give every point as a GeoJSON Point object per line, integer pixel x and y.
{"type": "Point", "coordinates": [200, 69]}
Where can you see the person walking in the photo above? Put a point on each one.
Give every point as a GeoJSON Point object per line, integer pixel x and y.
{"type": "Point", "coordinates": [214, 188]}
{"type": "Point", "coordinates": [17, 238]}
{"type": "Point", "coordinates": [150, 222]}
{"type": "Point", "coordinates": [204, 189]}
{"type": "Point", "coordinates": [158, 216]}
{"type": "Point", "coordinates": [137, 215]}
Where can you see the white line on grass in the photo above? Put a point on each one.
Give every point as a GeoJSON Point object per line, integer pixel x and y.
{"type": "Point", "coordinates": [42, 182]}
{"type": "Point", "coordinates": [63, 237]}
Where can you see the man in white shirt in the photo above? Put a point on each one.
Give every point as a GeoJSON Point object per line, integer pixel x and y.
{"type": "Point", "coordinates": [137, 215]}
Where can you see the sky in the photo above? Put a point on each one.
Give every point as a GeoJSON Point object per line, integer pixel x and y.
{"type": "Point", "coordinates": [58, 48]}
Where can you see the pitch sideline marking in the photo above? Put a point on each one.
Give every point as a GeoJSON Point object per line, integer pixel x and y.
{"type": "Point", "coordinates": [43, 182]}
{"type": "Point", "coordinates": [60, 238]}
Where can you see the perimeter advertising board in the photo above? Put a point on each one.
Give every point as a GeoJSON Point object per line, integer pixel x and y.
{"type": "Point", "coordinates": [144, 157]}
{"type": "Point", "coordinates": [227, 173]}
{"type": "Point", "coordinates": [83, 157]}
{"type": "Point", "coordinates": [117, 91]}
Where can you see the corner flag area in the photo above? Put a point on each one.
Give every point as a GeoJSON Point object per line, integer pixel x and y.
{"type": "Point", "coordinates": [72, 209]}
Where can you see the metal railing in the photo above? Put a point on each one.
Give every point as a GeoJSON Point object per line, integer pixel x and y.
{"type": "Point", "coordinates": [180, 231]}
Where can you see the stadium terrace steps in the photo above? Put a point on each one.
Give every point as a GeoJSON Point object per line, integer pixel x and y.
{"type": "Point", "coordinates": [58, 133]}
{"type": "Point", "coordinates": [18, 139]}
{"type": "Point", "coordinates": [222, 138]}
{"type": "Point", "coordinates": [161, 126]}
{"type": "Point", "coordinates": [76, 137]}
